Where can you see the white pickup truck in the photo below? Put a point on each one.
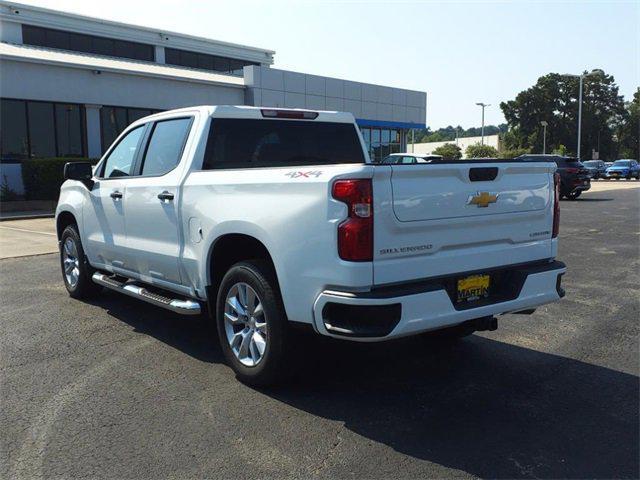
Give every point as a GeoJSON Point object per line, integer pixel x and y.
{"type": "Point", "coordinates": [273, 218]}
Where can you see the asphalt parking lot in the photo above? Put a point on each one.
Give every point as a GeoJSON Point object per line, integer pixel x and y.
{"type": "Point", "coordinates": [119, 389]}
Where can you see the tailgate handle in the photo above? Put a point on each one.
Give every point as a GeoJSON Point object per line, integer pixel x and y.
{"type": "Point", "coordinates": [483, 174]}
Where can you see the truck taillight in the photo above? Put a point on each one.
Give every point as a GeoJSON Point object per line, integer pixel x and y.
{"type": "Point", "coordinates": [556, 205]}
{"type": "Point", "coordinates": [355, 234]}
{"type": "Point", "coordinates": [291, 114]}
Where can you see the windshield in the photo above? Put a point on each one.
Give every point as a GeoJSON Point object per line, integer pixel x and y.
{"type": "Point", "coordinates": [591, 163]}
{"type": "Point", "coordinates": [621, 163]}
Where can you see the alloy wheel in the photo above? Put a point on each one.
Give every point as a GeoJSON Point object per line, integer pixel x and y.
{"type": "Point", "coordinates": [245, 324]}
{"type": "Point", "coordinates": [70, 262]}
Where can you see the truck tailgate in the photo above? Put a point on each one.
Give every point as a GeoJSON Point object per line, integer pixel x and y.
{"type": "Point", "coordinates": [439, 219]}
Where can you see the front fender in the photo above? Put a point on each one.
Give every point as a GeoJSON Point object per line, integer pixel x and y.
{"type": "Point", "coordinates": [73, 194]}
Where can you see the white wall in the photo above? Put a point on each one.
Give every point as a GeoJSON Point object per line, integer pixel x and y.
{"type": "Point", "coordinates": [463, 143]}
{"type": "Point", "coordinates": [33, 81]}
{"type": "Point", "coordinates": [271, 87]}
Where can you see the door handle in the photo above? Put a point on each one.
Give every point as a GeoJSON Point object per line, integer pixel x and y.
{"type": "Point", "coordinates": [116, 195]}
{"type": "Point", "coordinates": [165, 196]}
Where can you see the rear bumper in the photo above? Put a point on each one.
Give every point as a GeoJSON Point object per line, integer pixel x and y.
{"type": "Point", "coordinates": [418, 307]}
{"type": "Point", "coordinates": [581, 184]}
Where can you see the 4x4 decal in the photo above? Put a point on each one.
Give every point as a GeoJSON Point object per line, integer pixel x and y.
{"type": "Point", "coordinates": [304, 173]}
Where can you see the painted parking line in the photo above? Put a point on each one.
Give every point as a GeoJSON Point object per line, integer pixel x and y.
{"type": "Point", "coordinates": [27, 231]}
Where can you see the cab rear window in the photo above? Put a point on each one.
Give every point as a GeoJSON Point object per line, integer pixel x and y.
{"type": "Point", "coordinates": [247, 143]}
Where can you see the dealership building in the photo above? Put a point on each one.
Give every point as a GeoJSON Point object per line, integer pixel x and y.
{"type": "Point", "coordinates": [69, 84]}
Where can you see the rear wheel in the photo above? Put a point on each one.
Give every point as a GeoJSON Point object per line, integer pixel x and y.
{"type": "Point", "coordinates": [76, 271]}
{"type": "Point", "coordinates": [252, 325]}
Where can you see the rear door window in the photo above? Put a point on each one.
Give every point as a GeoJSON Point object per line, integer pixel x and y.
{"type": "Point", "coordinates": [165, 146]}
{"type": "Point", "coordinates": [247, 143]}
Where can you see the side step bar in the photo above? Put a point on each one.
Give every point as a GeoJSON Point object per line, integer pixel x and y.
{"type": "Point", "coordinates": [183, 306]}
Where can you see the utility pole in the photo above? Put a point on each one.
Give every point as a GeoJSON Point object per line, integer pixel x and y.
{"type": "Point", "coordinates": [483, 105]}
{"type": "Point", "coordinates": [544, 136]}
{"type": "Point", "coordinates": [596, 71]}
{"type": "Point", "coordinates": [580, 117]}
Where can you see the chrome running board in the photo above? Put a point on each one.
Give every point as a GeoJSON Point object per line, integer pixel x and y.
{"type": "Point", "coordinates": [182, 306]}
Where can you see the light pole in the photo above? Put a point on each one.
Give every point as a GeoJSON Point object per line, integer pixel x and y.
{"type": "Point", "coordinates": [544, 136]}
{"type": "Point", "coordinates": [596, 71]}
{"type": "Point", "coordinates": [483, 105]}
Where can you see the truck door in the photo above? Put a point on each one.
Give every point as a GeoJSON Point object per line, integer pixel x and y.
{"type": "Point", "coordinates": [103, 215]}
{"type": "Point", "coordinates": [152, 203]}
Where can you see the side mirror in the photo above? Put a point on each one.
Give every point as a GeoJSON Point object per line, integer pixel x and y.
{"type": "Point", "coordinates": [80, 171]}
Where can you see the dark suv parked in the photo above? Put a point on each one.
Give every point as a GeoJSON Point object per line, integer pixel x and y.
{"type": "Point", "coordinates": [574, 177]}
{"type": "Point", "coordinates": [596, 168]}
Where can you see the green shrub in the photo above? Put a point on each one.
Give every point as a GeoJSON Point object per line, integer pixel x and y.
{"type": "Point", "coordinates": [481, 151]}
{"type": "Point", "coordinates": [449, 151]}
{"type": "Point", "coordinates": [42, 177]}
{"type": "Point", "coordinates": [516, 152]}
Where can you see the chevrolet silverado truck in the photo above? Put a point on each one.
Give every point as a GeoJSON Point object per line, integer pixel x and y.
{"type": "Point", "coordinates": [271, 219]}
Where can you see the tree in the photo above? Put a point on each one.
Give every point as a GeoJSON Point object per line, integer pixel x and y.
{"type": "Point", "coordinates": [481, 151]}
{"type": "Point", "coordinates": [554, 99]}
{"type": "Point", "coordinates": [449, 151]}
{"type": "Point", "coordinates": [629, 131]}
{"type": "Point", "coordinates": [449, 133]}
{"type": "Point", "coordinates": [560, 150]}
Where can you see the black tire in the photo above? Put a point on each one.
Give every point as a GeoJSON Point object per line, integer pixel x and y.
{"type": "Point", "coordinates": [272, 368]}
{"type": "Point", "coordinates": [83, 287]}
{"type": "Point", "coordinates": [574, 195]}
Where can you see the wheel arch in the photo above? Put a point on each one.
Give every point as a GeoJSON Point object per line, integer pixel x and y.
{"type": "Point", "coordinates": [63, 220]}
{"type": "Point", "coordinates": [229, 249]}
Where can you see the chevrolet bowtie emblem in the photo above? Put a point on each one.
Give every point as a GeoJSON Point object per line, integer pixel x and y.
{"type": "Point", "coordinates": [482, 199]}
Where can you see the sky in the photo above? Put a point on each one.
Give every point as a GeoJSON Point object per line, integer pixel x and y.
{"type": "Point", "coordinates": [459, 52]}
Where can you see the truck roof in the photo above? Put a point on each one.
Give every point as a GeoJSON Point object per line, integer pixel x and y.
{"type": "Point", "coordinates": [243, 111]}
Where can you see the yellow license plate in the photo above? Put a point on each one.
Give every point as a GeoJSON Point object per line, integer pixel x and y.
{"type": "Point", "coordinates": [473, 287]}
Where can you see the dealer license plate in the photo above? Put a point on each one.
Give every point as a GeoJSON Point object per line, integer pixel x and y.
{"type": "Point", "coordinates": [473, 287]}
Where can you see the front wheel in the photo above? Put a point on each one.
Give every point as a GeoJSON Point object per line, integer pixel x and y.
{"type": "Point", "coordinates": [76, 271]}
{"type": "Point", "coordinates": [574, 195]}
{"type": "Point", "coordinates": [252, 325]}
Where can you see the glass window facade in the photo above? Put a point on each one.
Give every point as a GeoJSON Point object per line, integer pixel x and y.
{"type": "Point", "coordinates": [113, 121]}
{"type": "Point", "coordinates": [32, 129]}
{"type": "Point", "coordinates": [14, 141]}
{"type": "Point", "coordinates": [203, 61]}
{"type": "Point", "coordinates": [382, 142]}
{"type": "Point", "coordinates": [78, 42]}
